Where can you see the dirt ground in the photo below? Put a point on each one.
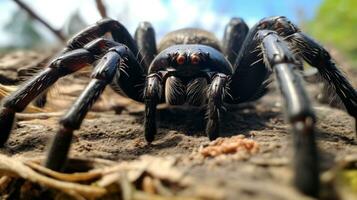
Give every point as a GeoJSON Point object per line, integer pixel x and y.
{"type": "Point", "coordinates": [265, 175]}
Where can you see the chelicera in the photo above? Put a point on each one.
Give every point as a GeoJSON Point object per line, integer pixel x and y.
{"type": "Point", "coordinates": [189, 66]}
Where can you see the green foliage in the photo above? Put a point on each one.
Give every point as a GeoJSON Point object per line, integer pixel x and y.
{"type": "Point", "coordinates": [336, 24]}
{"type": "Point", "coordinates": [24, 31]}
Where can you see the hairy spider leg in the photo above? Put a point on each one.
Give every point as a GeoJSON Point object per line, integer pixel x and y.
{"type": "Point", "coordinates": [152, 96]}
{"type": "Point", "coordinates": [18, 100]}
{"type": "Point", "coordinates": [145, 38]}
{"type": "Point", "coordinates": [73, 58]}
{"type": "Point", "coordinates": [303, 47]}
{"type": "Point", "coordinates": [249, 66]}
{"type": "Point", "coordinates": [117, 32]}
{"type": "Point", "coordinates": [102, 75]}
{"type": "Point", "coordinates": [234, 35]}
{"type": "Point", "coordinates": [252, 68]}
{"type": "Point", "coordinates": [298, 108]}
{"type": "Point", "coordinates": [215, 94]}
{"type": "Point", "coordinates": [251, 77]}
{"type": "Point", "coordinates": [317, 56]}
{"type": "Point", "coordinates": [116, 63]}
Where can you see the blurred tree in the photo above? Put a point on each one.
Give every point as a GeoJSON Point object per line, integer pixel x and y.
{"type": "Point", "coordinates": [24, 30]}
{"type": "Point", "coordinates": [74, 24]}
{"type": "Point", "coordinates": [336, 24]}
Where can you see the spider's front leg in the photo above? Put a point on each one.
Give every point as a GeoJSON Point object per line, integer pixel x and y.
{"type": "Point", "coordinates": [152, 96]}
{"type": "Point", "coordinates": [75, 56]}
{"type": "Point", "coordinates": [117, 67]}
{"type": "Point", "coordinates": [18, 100]}
{"type": "Point", "coordinates": [101, 76]}
{"type": "Point", "coordinates": [262, 53]}
{"type": "Point", "coordinates": [103, 27]}
{"type": "Point", "coordinates": [65, 64]}
{"type": "Point", "coordinates": [298, 109]}
{"type": "Point", "coordinates": [117, 31]}
{"type": "Point", "coordinates": [215, 95]}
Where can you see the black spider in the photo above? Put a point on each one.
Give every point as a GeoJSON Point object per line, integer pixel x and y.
{"type": "Point", "coordinates": [193, 67]}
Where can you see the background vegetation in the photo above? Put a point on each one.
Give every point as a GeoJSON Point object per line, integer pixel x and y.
{"type": "Point", "coordinates": [335, 24]}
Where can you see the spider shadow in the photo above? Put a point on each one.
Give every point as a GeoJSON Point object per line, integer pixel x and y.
{"type": "Point", "coordinates": [237, 119]}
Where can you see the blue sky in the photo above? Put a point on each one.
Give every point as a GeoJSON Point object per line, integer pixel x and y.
{"type": "Point", "coordinates": [165, 15]}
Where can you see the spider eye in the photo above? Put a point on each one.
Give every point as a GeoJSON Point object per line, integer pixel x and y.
{"type": "Point", "coordinates": [195, 59]}
{"type": "Point", "coordinates": [180, 59]}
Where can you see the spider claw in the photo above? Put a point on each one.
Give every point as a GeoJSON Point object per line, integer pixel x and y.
{"type": "Point", "coordinates": [306, 159]}
{"type": "Point", "coordinates": [58, 151]}
{"type": "Point", "coordinates": [212, 129]}
{"type": "Point", "coordinates": [150, 124]}
{"type": "Point", "coordinates": [150, 135]}
{"type": "Point", "coordinates": [152, 96]}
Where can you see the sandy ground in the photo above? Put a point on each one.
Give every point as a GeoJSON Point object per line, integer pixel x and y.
{"type": "Point", "coordinates": [118, 137]}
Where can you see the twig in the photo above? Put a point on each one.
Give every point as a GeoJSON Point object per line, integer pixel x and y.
{"type": "Point", "coordinates": [9, 165]}
{"type": "Point", "coordinates": [101, 8]}
{"type": "Point", "coordinates": [73, 177]}
{"type": "Point", "coordinates": [34, 15]}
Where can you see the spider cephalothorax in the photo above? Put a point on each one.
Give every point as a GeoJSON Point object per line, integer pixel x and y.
{"type": "Point", "coordinates": [190, 66]}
